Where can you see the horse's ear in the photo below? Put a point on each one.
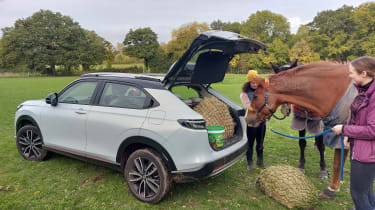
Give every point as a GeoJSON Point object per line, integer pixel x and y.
{"type": "Point", "coordinates": [294, 64]}
{"type": "Point", "coordinates": [266, 83]}
{"type": "Point", "coordinates": [275, 68]}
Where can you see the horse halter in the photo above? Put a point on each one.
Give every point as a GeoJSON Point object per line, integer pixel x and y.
{"type": "Point", "coordinates": [265, 105]}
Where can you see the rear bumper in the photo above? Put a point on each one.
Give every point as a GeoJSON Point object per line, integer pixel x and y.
{"type": "Point", "coordinates": [212, 168]}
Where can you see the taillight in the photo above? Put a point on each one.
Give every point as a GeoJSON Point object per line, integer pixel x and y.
{"type": "Point", "coordinates": [193, 124]}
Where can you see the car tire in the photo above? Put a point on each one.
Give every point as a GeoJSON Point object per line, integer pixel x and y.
{"type": "Point", "coordinates": [147, 176]}
{"type": "Point", "coordinates": [29, 142]}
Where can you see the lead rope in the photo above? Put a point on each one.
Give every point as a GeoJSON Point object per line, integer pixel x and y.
{"type": "Point", "coordinates": [319, 134]}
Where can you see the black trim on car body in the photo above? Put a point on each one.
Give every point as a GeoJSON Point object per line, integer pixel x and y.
{"type": "Point", "coordinates": [145, 83]}
{"type": "Point", "coordinates": [25, 117]}
{"type": "Point", "coordinates": [85, 158]}
{"type": "Point", "coordinates": [211, 168]}
{"type": "Point", "coordinates": [150, 143]}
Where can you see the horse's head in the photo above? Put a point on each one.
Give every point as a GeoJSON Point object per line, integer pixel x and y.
{"type": "Point", "coordinates": [263, 104]}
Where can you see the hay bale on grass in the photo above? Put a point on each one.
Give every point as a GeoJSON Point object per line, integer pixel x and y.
{"type": "Point", "coordinates": [288, 186]}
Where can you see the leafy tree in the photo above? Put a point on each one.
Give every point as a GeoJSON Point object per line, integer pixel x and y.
{"type": "Point", "coordinates": [266, 26]}
{"type": "Point", "coordinates": [277, 53]}
{"type": "Point", "coordinates": [331, 33]}
{"type": "Point", "coordinates": [217, 25]}
{"type": "Point", "coordinates": [159, 63]}
{"type": "Point", "coordinates": [234, 64]}
{"type": "Point", "coordinates": [364, 18]}
{"type": "Point", "coordinates": [302, 51]}
{"type": "Point", "coordinates": [253, 61]}
{"type": "Point", "coordinates": [44, 39]}
{"type": "Point", "coordinates": [1, 52]}
{"type": "Point", "coordinates": [141, 43]}
{"type": "Point", "coordinates": [226, 26]}
{"type": "Point", "coordinates": [182, 38]}
{"type": "Point", "coordinates": [302, 34]}
{"type": "Point", "coordinates": [330, 21]}
{"type": "Point", "coordinates": [110, 53]}
{"type": "Point", "coordinates": [364, 35]}
{"type": "Point", "coordinates": [92, 50]}
{"type": "Point", "coordinates": [233, 27]}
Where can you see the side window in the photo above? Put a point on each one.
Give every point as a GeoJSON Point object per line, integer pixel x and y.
{"type": "Point", "coordinates": [80, 93]}
{"type": "Point", "coordinates": [124, 96]}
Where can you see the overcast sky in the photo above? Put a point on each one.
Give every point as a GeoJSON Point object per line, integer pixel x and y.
{"type": "Point", "coordinates": [112, 19]}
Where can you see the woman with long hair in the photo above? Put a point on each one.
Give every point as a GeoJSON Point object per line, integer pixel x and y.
{"type": "Point", "coordinates": [253, 133]}
{"type": "Point", "coordinates": [361, 133]}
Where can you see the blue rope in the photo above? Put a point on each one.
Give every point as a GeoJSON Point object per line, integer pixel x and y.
{"type": "Point", "coordinates": [306, 137]}
{"type": "Point", "coordinates": [319, 134]}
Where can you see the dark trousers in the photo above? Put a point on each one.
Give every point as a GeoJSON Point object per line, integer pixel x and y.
{"type": "Point", "coordinates": [362, 177]}
{"type": "Point", "coordinates": [257, 133]}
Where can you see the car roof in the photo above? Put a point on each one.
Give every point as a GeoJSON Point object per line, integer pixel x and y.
{"type": "Point", "coordinates": [145, 80]}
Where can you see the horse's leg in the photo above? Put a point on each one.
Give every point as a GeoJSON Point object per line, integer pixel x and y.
{"type": "Point", "coordinates": [334, 186]}
{"type": "Point", "coordinates": [335, 181]}
{"type": "Point", "coordinates": [302, 146]}
{"type": "Point", "coordinates": [323, 173]}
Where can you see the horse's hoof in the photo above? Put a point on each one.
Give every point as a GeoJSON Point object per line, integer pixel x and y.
{"type": "Point", "coordinates": [323, 174]}
{"type": "Point", "coordinates": [302, 170]}
{"type": "Point", "coordinates": [327, 194]}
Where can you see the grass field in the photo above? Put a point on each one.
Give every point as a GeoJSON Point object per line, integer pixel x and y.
{"type": "Point", "coordinates": [62, 182]}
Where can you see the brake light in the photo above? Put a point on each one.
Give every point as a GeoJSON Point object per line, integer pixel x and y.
{"type": "Point", "coordinates": [193, 124]}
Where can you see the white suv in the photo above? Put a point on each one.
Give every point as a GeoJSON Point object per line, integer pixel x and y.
{"type": "Point", "coordinates": [136, 124]}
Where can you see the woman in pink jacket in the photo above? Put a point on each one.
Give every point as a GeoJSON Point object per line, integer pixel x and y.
{"type": "Point", "coordinates": [253, 133]}
{"type": "Point", "coordinates": [361, 133]}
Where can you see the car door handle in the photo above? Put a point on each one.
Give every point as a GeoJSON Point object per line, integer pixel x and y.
{"type": "Point", "coordinates": [81, 111]}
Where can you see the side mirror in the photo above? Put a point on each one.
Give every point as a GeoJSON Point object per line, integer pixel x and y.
{"type": "Point", "coordinates": [52, 99]}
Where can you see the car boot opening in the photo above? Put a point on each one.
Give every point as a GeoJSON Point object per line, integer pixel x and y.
{"type": "Point", "coordinates": [214, 111]}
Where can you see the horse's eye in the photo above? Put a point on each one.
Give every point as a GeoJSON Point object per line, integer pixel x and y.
{"type": "Point", "coordinates": [254, 97]}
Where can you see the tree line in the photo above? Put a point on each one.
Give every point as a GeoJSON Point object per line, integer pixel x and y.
{"type": "Point", "coordinates": [47, 39]}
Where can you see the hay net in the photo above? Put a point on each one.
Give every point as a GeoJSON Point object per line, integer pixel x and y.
{"type": "Point", "coordinates": [288, 186]}
{"type": "Point", "coordinates": [216, 113]}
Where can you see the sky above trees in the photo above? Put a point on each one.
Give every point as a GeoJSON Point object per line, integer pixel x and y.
{"type": "Point", "coordinates": [113, 19]}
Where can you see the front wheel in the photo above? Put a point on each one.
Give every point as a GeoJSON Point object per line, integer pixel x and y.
{"type": "Point", "coordinates": [147, 176]}
{"type": "Point", "coordinates": [29, 143]}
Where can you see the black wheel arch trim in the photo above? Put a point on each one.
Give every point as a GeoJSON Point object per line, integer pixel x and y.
{"type": "Point", "coordinates": [28, 118]}
{"type": "Point", "coordinates": [150, 143]}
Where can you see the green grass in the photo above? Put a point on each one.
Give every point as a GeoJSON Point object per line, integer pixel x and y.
{"type": "Point", "coordinates": [60, 182]}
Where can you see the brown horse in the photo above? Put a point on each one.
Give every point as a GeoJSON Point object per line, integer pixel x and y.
{"type": "Point", "coordinates": [316, 86]}
{"type": "Point", "coordinates": [323, 173]}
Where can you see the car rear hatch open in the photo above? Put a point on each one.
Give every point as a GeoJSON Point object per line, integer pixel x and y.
{"type": "Point", "coordinates": [207, 59]}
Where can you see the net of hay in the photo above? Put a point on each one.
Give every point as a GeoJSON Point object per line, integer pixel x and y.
{"type": "Point", "coordinates": [216, 113]}
{"type": "Point", "coordinates": [288, 186]}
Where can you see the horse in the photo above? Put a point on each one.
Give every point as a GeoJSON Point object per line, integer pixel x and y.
{"type": "Point", "coordinates": [323, 173]}
{"type": "Point", "coordinates": [322, 87]}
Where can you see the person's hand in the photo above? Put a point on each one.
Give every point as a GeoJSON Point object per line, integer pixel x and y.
{"type": "Point", "coordinates": [346, 141]}
{"type": "Point", "coordinates": [337, 129]}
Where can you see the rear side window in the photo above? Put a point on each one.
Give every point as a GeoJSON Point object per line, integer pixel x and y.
{"type": "Point", "coordinates": [124, 96]}
{"type": "Point", "coordinates": [80, 93]}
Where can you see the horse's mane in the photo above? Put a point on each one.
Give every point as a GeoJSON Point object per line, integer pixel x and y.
{"type": "Point", "coordinates": [322, 66]}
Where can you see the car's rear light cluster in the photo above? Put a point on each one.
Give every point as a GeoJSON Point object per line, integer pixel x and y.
{"type": "Point", "coordinates": [193, 124]}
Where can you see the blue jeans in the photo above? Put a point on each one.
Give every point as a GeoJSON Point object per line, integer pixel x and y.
{"type": "Point", "coordinates": [362, 177]}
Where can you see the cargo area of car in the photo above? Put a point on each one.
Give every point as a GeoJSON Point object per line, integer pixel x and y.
{"type": "Point", "coordinates": [214, 111]}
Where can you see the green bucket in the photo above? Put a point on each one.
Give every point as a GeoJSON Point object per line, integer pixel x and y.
{"type": "Point", "coordinates": [216, 135]}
